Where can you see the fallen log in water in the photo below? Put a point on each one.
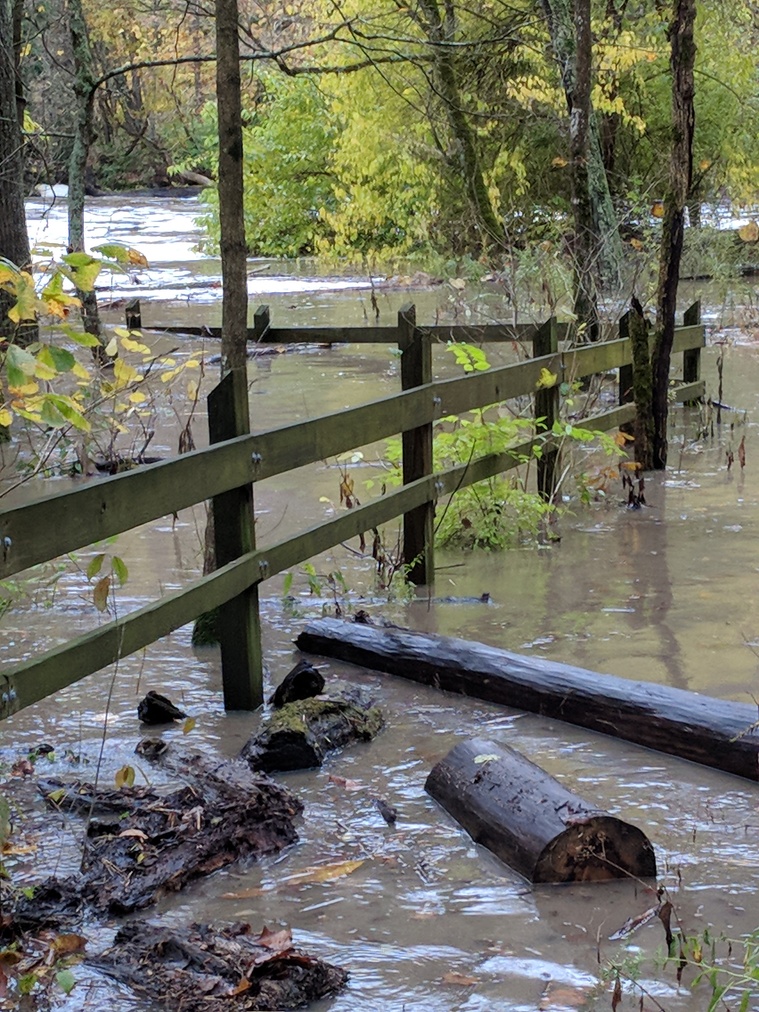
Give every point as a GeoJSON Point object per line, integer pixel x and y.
{"type": "Point", "coordinates": [301, 734]}
{"type": "Point", "coordinates": [709, 731]}
{"type": "Point", "coordinates": [207, 969]}
{"type": "Point", "coordinates": [532, 823]}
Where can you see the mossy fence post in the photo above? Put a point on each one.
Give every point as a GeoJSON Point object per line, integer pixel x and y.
{"type": "Point", "coordinates": [546, 342]}
{"type": "Point", "coordinates": [239, 624]}
{"type": "Point", "coordinates": [418, 524]}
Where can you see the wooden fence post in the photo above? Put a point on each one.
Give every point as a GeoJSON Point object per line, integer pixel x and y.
{"type": "Point", "coordinates": [239, 623]}
{"type": "Point", "coordinates": [133, 315]}
{"type": "Point", "coordinates": [546, 342]}
{"type": "Point", "coordinates": [625, 371]}
{"type": "Point", "coordinates": [692, 357]}
{"type": "Point", "coordinates": [418, 524]}
{"type": "Point", "coordinates": [261, 322]}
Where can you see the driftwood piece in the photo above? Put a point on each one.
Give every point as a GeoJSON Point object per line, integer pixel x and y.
{"type": "Point", "coordinates": [533, 823]}
{"type": "Point", "coordinates": [210, 969]}
{"type": "Point", "coordinates": [301, 734]}
{"type": "Point", "coordinates": [713, 732]}
{"type": "Point", "coordinates": [303, 682]}
{"type": "Point", "coordinates": [142, 843]}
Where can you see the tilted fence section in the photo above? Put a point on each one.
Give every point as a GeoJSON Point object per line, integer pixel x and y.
{"type": "Point", "coordinates": [227, 471]}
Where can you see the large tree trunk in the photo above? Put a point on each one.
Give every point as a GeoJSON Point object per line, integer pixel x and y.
{"type": "Point", "coordinates": [14, 243]}
{"type": "Point", "coordinates": [442, 33]}
{"type": "Point", "coordinates": [682, 62]}
{"type": "Point", "coordinates": [569, 28]}
{"type": "Point", "coordinates": [709, 731]}
{"type": "Point", "coordinates": [84, 95]}
{"type": "Point", "coordinates": [533, 823]}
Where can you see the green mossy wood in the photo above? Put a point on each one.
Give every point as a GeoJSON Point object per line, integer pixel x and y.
{"type": "Point", "coordinates": [301, 734]}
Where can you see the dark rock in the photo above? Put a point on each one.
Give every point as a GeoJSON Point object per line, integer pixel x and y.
{"type": "Point", "coordinates": [157, 709]}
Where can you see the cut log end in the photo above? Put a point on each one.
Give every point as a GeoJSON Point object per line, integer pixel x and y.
{"type": "Point", "coordinates": [597, 849]}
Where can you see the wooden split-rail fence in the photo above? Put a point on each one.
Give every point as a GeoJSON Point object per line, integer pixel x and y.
{"type": "Point", "coordinates": [227, 470]}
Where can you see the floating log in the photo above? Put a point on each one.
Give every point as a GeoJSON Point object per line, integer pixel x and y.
{"type": "Point", "coordinates": [301, 734]}
{"type": "Point", "coordinates": [713, 732]}
{"type": "Point", "coordinates": [533, 823]}
{"type": "Point", "coordinates": [215, 969]}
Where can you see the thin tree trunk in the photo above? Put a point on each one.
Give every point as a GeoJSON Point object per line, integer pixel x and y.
{"type": "Point", "coordinates": [682, 62]}
{"type": "Point", "coordinates": [568, 24]}
{"type": "Point", "coordinates": [233, 249]}
{"type": "Point", "coordinates": [587, 245]}
{"type": "Point", "coordinates": [234, 319]}
{"type": "Point", "coordinates": [14, 243]}
{"type": "Point", "coordinates": [442, 32]}
{"type": "Point", "coordinates": [84, 135]}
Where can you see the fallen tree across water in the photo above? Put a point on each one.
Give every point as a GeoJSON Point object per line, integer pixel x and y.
{"type": "Point", "coordinates": [533, 823]}
{"type": "Point", "coordinates": [713, 732]}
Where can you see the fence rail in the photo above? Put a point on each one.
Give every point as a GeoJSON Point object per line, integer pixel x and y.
{"type": "Point", "coordinates": [227, 470]}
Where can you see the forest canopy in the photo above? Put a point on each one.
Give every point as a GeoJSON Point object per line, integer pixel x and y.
{"type": "Point", "coordinates": [375, 128]}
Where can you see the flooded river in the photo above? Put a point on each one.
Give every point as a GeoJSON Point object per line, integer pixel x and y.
{"type": "Point", "coordinates": [429, 921]}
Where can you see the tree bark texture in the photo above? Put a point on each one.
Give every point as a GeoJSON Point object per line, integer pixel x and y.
{"type": "Point", "coordinates": [533, 823]}
{"type": "Point", "coordinates": [682, 63]}
{"type": "Point", "coordinates": [231, 220]}
{"type": "Point", "coordinates": [14, 243]}
{"type": "Point", "coordinates": [713, 732]}
{"type": "Point", "coordinates": [642, 393]}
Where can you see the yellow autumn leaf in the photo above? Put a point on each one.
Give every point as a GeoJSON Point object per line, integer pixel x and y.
{"type": "Point", "coordinates": [319, 873]}
{"type": "Point", "coordinates": [192, 389]}
{"type": "Point", "coordinates": [26, 299]}
{"type": "Point", "coordinates": [559, 163]}
{"type": "Point", "coordinates": [112, 348]}
{"type": "Point", "coordinates": [749, 232]}
{"type": "Point", "coordinates": [129, 345]}
{"type": "Point", "coordinates": [24, 389]}
{"type": "Point", "coordinates": [637, 244]}
{"type": "Point", "coordinates": [546, 379]}
{"type": "Point", "coordinates": [137, 398]}
{"type": "Point", "coordinates": [80, 371]}
{"type": "Point", "coordinates": [5, 417]}
{"type": "Point", "coordinates": [124, 374]}
{"type": "Point", "coordinates": [657, 209]}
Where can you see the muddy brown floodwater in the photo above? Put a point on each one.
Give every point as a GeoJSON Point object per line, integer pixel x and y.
{"type": "Point", "coordinates": [422, 918]}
